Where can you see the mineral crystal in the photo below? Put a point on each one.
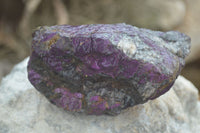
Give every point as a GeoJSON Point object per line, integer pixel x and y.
{"type": "Point", "coordinates": [104, 68]}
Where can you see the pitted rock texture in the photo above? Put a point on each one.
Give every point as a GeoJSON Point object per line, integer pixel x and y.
{"type": "Point", "coordinates": [103, 68]}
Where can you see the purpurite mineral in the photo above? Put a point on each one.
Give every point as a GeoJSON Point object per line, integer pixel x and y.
{"type": "Point", "coordinates": [104, 68]}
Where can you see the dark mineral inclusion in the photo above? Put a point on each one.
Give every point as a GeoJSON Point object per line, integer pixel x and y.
{"type": "Point", "coordinates": [104, 68]}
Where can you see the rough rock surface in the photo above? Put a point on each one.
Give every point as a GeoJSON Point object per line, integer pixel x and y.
{"type": "Point", "coordinates": [24, 110]}
{"type": "Point", "coordinates": [104, 68]}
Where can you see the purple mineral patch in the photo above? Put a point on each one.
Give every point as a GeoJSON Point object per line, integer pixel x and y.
{"type": "Point", "coordinates": [104, 68]}
{"type": "Point", "coordinates": [68, 100]}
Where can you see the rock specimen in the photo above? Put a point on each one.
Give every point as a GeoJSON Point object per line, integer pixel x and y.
{"type": "Point", "coordinates": [103, 68]}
